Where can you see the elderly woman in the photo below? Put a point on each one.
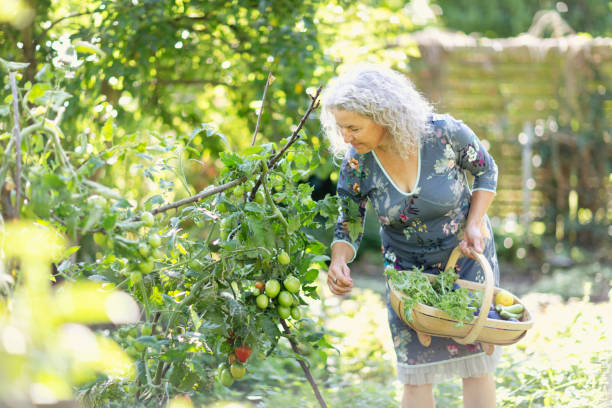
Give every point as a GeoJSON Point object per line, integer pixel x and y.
{"type": "Point", "coordinates": [410, 163]}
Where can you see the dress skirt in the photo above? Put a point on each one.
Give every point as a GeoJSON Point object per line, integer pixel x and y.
{"type": "Point", "coordinates": [444, 359]}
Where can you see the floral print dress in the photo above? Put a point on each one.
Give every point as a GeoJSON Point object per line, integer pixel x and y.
{"type": "Point", "coordinates": [421, 228]}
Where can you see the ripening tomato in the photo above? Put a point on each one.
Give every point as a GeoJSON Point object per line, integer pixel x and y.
{"type": "Point", "coordinates": [148, 219]}
{"type": "Point", "coordinates": [283, 258]}
{"type": "Point", "coordinates": [225, 376]}
{"type": "Point", "coordinates": [237, 370]}
{"type": "Point", "coordinates": [292, 284]}
{"type": "Point", "coordinates": [262, 301]}
{"type": "Point", "coordinates": [243, 353]}
{"type": "Point", "coordinates": [285, 298]}
{"type": "Point", "coordinates": [272, 288]}
{"type": "Point", "coordinates": [284, 312]}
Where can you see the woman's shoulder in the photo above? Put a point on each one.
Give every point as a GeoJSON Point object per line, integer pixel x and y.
{"type": "Point", "coordinates": [444, 120]}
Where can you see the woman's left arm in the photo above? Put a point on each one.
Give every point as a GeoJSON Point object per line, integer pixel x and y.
{"type": "Point", "coordinates": [473, 236]}
{"type": "Point", "coordinates": [472, 156]}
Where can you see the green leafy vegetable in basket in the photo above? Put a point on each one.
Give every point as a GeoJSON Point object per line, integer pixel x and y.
{"type": "Point", "coordinates": [459, 303]}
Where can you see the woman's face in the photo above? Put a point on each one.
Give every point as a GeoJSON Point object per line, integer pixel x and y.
{"type": "Point", "coordinates": [361, 132]}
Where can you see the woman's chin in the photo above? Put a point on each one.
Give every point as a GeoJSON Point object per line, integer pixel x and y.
{"type": "Point", "coordinates": [361, 149]}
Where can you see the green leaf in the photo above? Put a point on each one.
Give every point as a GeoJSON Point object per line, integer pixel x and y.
{"type": "Point", "coordinates": [110, 222]}
{"type": "Point", "coordinates": [107, 130]}
{"type": "Point", "coordinates": [52, 180]}
{"type": "Point", "coordinates": [12, 65]}
{"type": "Point", "coordinates": [37, 91]}
{"type": "Point", "coordinates": [70, 251]}
{"type": "Point", "coordinates": [148, 341]}
{"type": "Point", "coordinates": [254, 207]}
{"type": "Point", "coordinates": [252, 150]}
{"type": "Point", "coordinates": [270, 328]}
{"type": "Point", "coordinates": [311, 275]}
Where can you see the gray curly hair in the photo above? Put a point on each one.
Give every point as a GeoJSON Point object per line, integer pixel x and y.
{"type": "Point", "coordinates": [383, 95]}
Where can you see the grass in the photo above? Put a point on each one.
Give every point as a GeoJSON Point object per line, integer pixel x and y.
{"type": "Point", "coordinates": [563, 361]}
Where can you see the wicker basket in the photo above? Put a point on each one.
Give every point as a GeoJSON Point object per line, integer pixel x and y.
{"type": "Point", "coordinates": [429, 321]}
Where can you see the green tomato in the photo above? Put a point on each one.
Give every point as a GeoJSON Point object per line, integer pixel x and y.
{"type": "Point", "coordinates": [272, 288]}
{"type": "Point", "coordinates": [139, 346]}
{"type": "Point", "coordinates": [284, 312]}
{"type": "Point", "coordinates": [195, 265]}
{"type": "Point", "coordinates": [144, 249]}
{"type": "Point", "coordinates": [135, 277]}
{"type": "Point", "coordinates": [238, 192]}
{"type": "Point", "coordinates": [284, 258]}
{"type": "Point", "coordinates": [147, 218]}
{"type": "Point", "coordinates": [259, 198]}
{"type": "Point", "coordinates": [133, 331]}
{"type": "Point", "coordinates": [154, 240]}
{"type": "Point", "coordinates": [237, 370]}
{"type": "Point", "coordinates": [296, 313]}
{"type": "Point", "coordinates": [262, 301]}
{"type": "Point", "coordinates": [226, 378]}
{"type": "Point", "coordinates": [255, 291]}
{"type": "Point", "coordinates": [292, 284]}
{"type": "Point", "coordinates": [147, 329]}
{"type": "Point", "coordinates": [132, 352]}
{"type": "Point", "coordinates": [296, 300]}
{"type": "Point", "coordinates": [99, 238]}
{"type": "Point", "coordinates": [157, 253]}
{"type": "Point", "coordinates": [285, 298]}
{"type": "Point", "coordinates": [146, 266]}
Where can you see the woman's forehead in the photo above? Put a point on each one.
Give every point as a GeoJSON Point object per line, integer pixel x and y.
{"type": "Point", "coordinates": [347, 118]}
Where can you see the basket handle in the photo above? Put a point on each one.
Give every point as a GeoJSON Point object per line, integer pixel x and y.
{"type": "Point", "coordinates": [486, 299]}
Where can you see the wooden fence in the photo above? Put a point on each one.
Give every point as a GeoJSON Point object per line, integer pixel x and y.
{"type": "Point", "coordinates": [544, 109]}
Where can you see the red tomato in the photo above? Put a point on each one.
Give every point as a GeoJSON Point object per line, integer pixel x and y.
{"type": "Point", "coordinates": [243, 353]}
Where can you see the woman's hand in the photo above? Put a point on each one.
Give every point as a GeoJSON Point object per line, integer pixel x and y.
{"type": "Point", "coordinates": [339, 278]}
{"type": "Point", "coordinates": [472, 238]}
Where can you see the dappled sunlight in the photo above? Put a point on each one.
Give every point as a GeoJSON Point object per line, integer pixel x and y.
{"type": "Point", "coordinates": [364, 341]}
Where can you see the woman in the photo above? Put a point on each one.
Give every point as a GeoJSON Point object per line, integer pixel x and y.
{"type": "Point", "coordinates": [410, 163]}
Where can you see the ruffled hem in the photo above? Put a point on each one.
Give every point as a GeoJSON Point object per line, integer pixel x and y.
{"type": "Point", "coordinates": [475, 365]}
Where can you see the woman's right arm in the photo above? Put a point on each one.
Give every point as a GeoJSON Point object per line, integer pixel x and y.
{"type": "Point", "coordinates": [349, 226]}
{"type": "Point", "coordinates": [339, 275]}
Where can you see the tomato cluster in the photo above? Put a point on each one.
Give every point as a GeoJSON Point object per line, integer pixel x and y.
{"type": "Point", "coordinates": [268, 295]}
{"type": "Point", "coordinates": [286, 301]}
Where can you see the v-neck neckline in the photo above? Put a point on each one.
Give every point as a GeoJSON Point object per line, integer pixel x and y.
{"type": "Point", "coordinates": [416, 182]}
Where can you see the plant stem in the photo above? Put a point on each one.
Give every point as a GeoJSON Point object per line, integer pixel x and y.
{"type": "Point", "coordinates": [263, 99]}
{"type": "Point", "coordinates": [294, 137]}
{"type": "Point", "coordinates": [16, 135]}
{"type": "Point", "coordinates": [305, 368]}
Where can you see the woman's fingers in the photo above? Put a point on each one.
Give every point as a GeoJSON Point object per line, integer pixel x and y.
{"type": "Point", "coordinates": [339, 279]}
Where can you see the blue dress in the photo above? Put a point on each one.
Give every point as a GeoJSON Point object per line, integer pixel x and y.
{"type": "Point", "coordinates": [421, 228]}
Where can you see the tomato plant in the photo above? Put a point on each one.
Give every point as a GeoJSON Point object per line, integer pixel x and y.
{"type": "Point", "coordinates": [206, 270]}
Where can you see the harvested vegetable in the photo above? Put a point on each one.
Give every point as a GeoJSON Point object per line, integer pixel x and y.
{"type": "Point", "coordinates": [442, 293]}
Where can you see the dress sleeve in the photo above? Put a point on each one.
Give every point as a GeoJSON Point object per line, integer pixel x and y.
{"type": "Point", "coordinates": [472, 156]}
{"type": "Point", "coordinates": [351, 220]}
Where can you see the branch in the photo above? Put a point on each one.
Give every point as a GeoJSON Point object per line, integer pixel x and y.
{"type": "Point", "coordinates": [201, 195]}
{"type": "Point", "coordinates": [314, 104]}
{"type": "Point", "coordinates": [305, 368]}
{"type": "Point", "coordinates": [16, 135]}
{"type": "Point", "coordinates": [263, 99]}
{"type": "Point", "coordinates": [72, 15]}
{"type": "Point", "coordinates": [271, 164]}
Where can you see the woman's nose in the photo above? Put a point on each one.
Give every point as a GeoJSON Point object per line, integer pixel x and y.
{"type": "Point", "coordinates": [346, 136]}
